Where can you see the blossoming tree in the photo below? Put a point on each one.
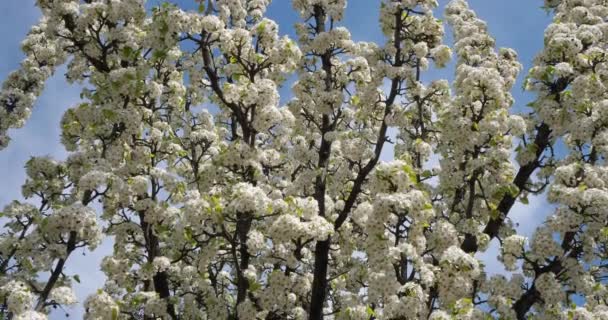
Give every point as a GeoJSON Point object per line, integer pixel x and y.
{"type": "Point", "coordinates": [224, 204]}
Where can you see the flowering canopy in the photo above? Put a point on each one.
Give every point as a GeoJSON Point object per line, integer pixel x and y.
{"type": "Point", "coordinates": [225, 204]}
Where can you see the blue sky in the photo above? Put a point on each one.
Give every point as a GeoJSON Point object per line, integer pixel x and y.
{"type": "Point", "coordinates": [518, 24]}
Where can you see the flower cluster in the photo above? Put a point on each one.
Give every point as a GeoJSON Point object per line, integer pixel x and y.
{"type": "Point", "coordinates": [44, 52]}
{"type": "Point", "coordinates": [476, 127]}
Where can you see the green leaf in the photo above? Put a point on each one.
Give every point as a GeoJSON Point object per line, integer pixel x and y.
{"type": "Point", "coordinates": [426, 174]}
{"type": "Point", "coordinates": [161, 230]}
{"type": "Point", "coordinates": [127, 52]}
{"type": "Point", "coordinates": [605, 232]}
{"type": "Point", "coordinates": [475, 126]}
{"type": "Point", "coordinates": [548, 75]}
{"type": "Point", "coordinates": [26, 264]}
{"type": "Point", "coordinates": [525, 84]}
{"type": "Point", "coordinates": [370, 312]}
{"type": "Point", "coordinates": [76, 278]}
{"type": "Point", "coordinates": [164, 27]}
{"type": "Point", "coordinates": [216, 203]}
{"type": "Point", "coordinates": [355, 100]}
{"type": "Point", "coordinates": [289, 200]}
{"type": "Point", "coordinates": [159, 55]}
{"type": "Point", "coordinates": [290, 44]}
{"type": "Point", "coordinates": [254, 286]}
{"type": "Point", "coordinates": [594, 76]}
{"type": "Point", "coordinates": [259, 58]}
{"type": "Point", "coordinates": [261, 27]}
{"type": "Point", "coordinates": [188, 234]}
{"type": "Point", "coordinates": [513, 190]}
{"type": "Point", "coordinates": [114, 313]}
{"type": "Point", "coordinates": [201, 7]}
{"type": "Point", "coordinates": [524, 200]}
{"type": "Point", "coordinates": [109, 114]}
{"type": "Point", "coordinates": [410, 173]}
